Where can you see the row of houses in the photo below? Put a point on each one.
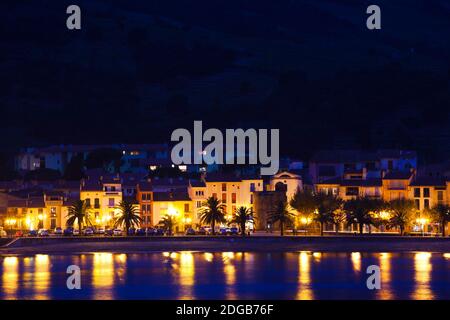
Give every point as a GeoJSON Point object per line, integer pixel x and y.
{"type": "Point", "coordinates": [383, 174]}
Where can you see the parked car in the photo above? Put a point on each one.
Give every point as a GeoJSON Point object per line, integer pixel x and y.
{"type": "Point", "coordinates": [190, 232]}
{"type": "Point", "coordinates": [17, 234]}
{"type": "Point", "coordinates": [224, 231]}
{"type": "Point", "coordinates": [43, 233]}
{"type": "Point", "coordinates": [109, 232]}
{"type": "Point", "coordinates": [117, 232]}
{"type": "Point", "coordinates": [131, 232]}
{"type": "Point", "coordinates": [201, 231]}
{"type": "Point", "coordinates": [68, 231]}
{"type": "Point", "coordinates": [32, 233]}
{"type": "Point", "coordinates": [100, 230]}
{"type": "Point", "coordinates": [58, 231]}
{"type": "Point", "coordinates": [234, 230]}
{"type": "Point", "coordinates": [141, 232]}
{"type": "Point", "coordinates": [151, 231]}
{"type": "Point", "coordinates": [76, 232]}
{"type": "Point", "coordinates": [88, 232]}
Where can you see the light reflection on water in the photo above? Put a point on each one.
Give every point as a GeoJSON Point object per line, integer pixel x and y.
{"type": "Point", "coordinates": [227, 275]}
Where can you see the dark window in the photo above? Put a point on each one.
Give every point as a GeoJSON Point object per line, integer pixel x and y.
{"type": "Point", "coordinates": [440, 195]}
{"type": "Point", "coordinates": [252, 187]}
{"type": "Point", "coordinates": [416, 192]}
{"type": "Point", "coordinates": [352, 191]}
{"type": "Point", "coordinates": [417, 202]}
{"type": "Point", "coordinates": [233, 198]}
{"type": "Point", "coordinates": [426, 204]}
{"type": "Point", "coordinates": [224, 197]}
{"type": "Point", "coordinates": [426, 192]}
{"type": "Point", "coordinates": [96, 203]}
{"type": "Point", "coordinates": [224, 187]}
{"type": "Point", "coordinates": [186, 207]}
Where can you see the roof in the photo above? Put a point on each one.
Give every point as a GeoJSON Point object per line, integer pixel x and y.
{"type": "Point", "coordinates": [428, 182]}
{"type": "Point", "coordinates": [221, 177]}
{"type": "Point", "coordinates": [92, 186]}
{"type": "Point", "coordinates": [34, 202]}
{"type": "Point", "coordinates": [171, 196]}
{"type": "Point", "coordinates": [369, 182]}
{"type": "Point", "coordinates": [397, 175]}
{"type": "Point", "coordinates": [197, 183]}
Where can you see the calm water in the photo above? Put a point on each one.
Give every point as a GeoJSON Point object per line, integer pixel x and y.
{"type": "Point", "coordinates": [227, 275]}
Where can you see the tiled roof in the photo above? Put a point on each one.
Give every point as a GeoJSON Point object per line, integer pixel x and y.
{"type": "Point", "coordinates": [92, 186]}
{"type": "Point", "coordinates": [171, 196]}
{"type": "Point", "coordinates": [197, 183]}
{"type": "Point", "coordinates": [372, 182]}
{"type": "Point", "coordinates": [397, 175]}
{"type": "Point", "coordinates": [221, 177]}
{"type": "Point", "coordinates": [429, 182]}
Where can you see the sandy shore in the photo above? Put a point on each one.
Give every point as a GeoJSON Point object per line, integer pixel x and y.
{"type": "Point", "coordinates": [236, 244]}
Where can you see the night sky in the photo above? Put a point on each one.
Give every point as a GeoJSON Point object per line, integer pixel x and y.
{"type": "Point", "coordinates": [139, 69]}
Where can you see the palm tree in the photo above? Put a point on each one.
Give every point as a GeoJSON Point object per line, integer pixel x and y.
{"type": "Point", "coordinates": [78, 212]}
{"type": "Point", "coordinates": [212, 211]}
{"type": "Point", "coordinates": [282, 214]}
{"type": "Point", "coordinates": [241, 216]}
{"type": "Point", "coordinates": [402, 211]}
{"type": "Point", "coordinates": [359, 211]}
{"type": "Point", "coordinates": [441, 214]}
{"type": "Point", "coordinates": [128, 215]}
{"type": "Point", "coordinates": [168, 221]}
{"type": "Point", "coordinates": [327, 204]}
{"type": "Point", "coordinates": [338, 218]}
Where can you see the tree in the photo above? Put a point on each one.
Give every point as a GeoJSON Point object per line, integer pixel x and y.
{"type": "Point", "coordinates": [359, 211]}
{"type": "Point", "coordinates": [402, 211]}
{"type": "Point", "coordinates": [78, 212]}
{"type": "Point", "coordinates": [212, 212]}
{"type": "Point", "coordinates": [326, 204]}
{"type": "Point", "coordinates": [304, 202]}
{"type": "Point", "coordinates": [241, 216]}
{"type": "Point", "coordinates": [282, 214]}
{"type": "Point", "coordinates": [441, 214]}
{"type": "Point", "coordinates": [168, 221]}
{"type": "Point", "coordinates": [128, 215]}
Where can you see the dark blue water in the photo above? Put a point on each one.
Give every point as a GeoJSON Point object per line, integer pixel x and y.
{"type": "Point", "coordinates": [227, 275]}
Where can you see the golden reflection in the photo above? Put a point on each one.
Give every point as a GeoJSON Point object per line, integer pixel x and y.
{"type": "Point", "coordinates": [385, 292]}
{"type": "Point", "coordinates": [103, 275]}
{"type": "Point", "coordinates": [41, 276]}
{"type": "Point", "coordinates": [356, 261]}
{"type": "Point", "coordinates": [208, 256]}
{"type": "Point", "coordinates": [446, 255]}
{"type": "Point", "coordinates": [422, 267]}
{"type": "Point", "coordinates": [10, 277]}
{"type": "Point", "coordinates": [187, 273]}
{"type": "Point", "coordinates": [304, 277]}
{"type": "Point", "coordinates": [227, 255]}
{"type": "Point", "coordinates": [317, 256]}
{"type": "Point", "coordinates": [230, 274]}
